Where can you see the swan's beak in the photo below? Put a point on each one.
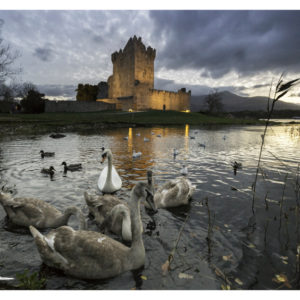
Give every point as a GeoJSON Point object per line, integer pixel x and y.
{"type": "Point", "coordinates": [150, 200]}
{"type": "Point", "coordinates": [103, 158]}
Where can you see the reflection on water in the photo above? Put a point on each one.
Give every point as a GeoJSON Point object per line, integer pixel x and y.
{"type": "Point", "coordinates": [244, 247]}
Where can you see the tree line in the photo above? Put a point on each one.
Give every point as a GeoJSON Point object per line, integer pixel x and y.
{"type": "Point", "coordinates": [32, 100]}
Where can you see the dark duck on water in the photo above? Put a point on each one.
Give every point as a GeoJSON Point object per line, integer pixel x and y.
{"type": "Point", "coordinates": [46, 154]}
{"type": "Point", "coordinates": [72, 167]}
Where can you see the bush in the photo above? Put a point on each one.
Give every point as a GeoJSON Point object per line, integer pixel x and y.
{"type": "Point", "coordinates": [33, 102]}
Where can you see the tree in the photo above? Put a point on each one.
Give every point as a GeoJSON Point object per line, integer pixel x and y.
{"type": "Point", "coordinates": [214, 101]}
{"type": "Point", "coordinates": [6, 92]}
{"type": "Point", "coordinates": [7, 57]}
{"type": "Point", "coordinates": [25, 88]}
{"type": "Point", "coordinates": [86, 92]}
{"type": "Point", "coordinates": [34, 102]}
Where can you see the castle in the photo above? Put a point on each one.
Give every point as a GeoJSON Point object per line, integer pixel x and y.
{"type": "Point", "coordinates": [131, 86]}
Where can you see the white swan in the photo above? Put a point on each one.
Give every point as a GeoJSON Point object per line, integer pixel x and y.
{"type": "Point", "coordinates": [136, 154]}
{"type": "Point", "coordinates": [184, 170]}
{"type": "Point", "coordinates": [30, 211]}
{"type": "Point", "coordinates": [92, 255]}
{"type": "Point", "coordinates": [173, 193]}
{"type": "Point", "coordinates": [109, 180]}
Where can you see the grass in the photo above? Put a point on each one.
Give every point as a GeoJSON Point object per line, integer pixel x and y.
{"type": "Point", "coordinates": [68, 122]}
{"type": "Point", "coordinates": [111, 117]}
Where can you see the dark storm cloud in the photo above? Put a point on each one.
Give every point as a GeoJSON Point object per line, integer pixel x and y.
{"type": "Point", "coordinates": [44, 54]}
{"type": "Point", "coordinates": [196, 89]}
{"type": "Point", "coordinates": [55, 90]}
{"type": "Point", "coordinates": [256, 86]}
{"type": "Point", "coordinates": [221, 41]}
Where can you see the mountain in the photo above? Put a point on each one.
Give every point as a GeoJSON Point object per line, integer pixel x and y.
{"type": "Point", "coordinates": [232, 103]}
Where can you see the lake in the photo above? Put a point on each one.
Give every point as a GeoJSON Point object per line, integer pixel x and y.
{"type": "Point", "coordinates": [222, 243]}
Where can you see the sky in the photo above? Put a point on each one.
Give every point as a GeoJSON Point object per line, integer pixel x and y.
{"type": "Point", "coordinates": [241, 51]}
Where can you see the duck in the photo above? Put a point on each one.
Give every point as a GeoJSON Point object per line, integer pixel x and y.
{"type": "Point", "coordinates": [109, 180]}
{"type": "Point", "coordinates": [173, 193]}
{"type": "Point", "coordinates": [56, 135]}
{"type": "Point", "coordinates": [235, 165]}
{"type": "Point", "coordinates": [93, 255]}
{"type": "Point", "coordinates": [113, 213]}
{"type": "Point", "coordinates": [159, 135]}
{"type": "Point", "coordinates": [192, 137]}
{"type": "Point", "coordinates": [138, 134]}
{"type": "Point", "coordinates": [72, 167]}
{"type": "Point", "coordinates": [201, 145]}
{"type": "Point", "coordinates": [184, 170]}
{"type": "Point", "coordinates": [46, 154]}
{"type": "Point", "coordinates": [125, 138]}
{"type": "Point", "coordinates": [136, 154]}
{"type": "Point", "coordinates": [175, 152]}
{"type": "Point", "coordinates": [24, 212]}
{"type": "Point", "coordinates": [49, 171]}
{"type": "Point", "coordinates": [146, 139]}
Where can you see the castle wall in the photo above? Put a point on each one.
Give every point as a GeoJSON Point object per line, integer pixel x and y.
{"type": "Point", "coordinates": [144, 65]}
{"type": "Point", "coordinates": [142, 95]}
{"type": "Point", "coordinates": [121, 82]}
{"type": "Point", "coordinates": [179, 101]}
{"type": "Point", "coordinates": [77, 106]}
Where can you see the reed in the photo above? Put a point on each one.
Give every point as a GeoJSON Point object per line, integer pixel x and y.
{"type": "Point", "coordinates": [281, 89]}
{"type": "Point", "coordinates": [210, 227]}
{"type": "Point", "coordinates": [281, 201]}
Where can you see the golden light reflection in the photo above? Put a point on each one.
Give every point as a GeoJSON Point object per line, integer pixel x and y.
{"type": "Point", "coordinates": [130, 140]}
{"type": "Point", "coordinates": [187, 129]}
{"type": "Point", "coordinates": [186, 137]}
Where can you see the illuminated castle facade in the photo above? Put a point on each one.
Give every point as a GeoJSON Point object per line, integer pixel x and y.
{"type": "Point", "coordinates": [131, 86]}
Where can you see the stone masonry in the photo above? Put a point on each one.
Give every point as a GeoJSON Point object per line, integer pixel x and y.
{"type": "Point", "coordinates": [131, 86]}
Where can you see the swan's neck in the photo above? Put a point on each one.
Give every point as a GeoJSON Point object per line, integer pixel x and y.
{"type": "Point", "coordinates": [64, 218]}
{"type": "Point", "coordinates": [109, 170]}
{"type": "Point", "coordinates": [135, 222]}
{"type": "Point", "coordinates": [126, 227]}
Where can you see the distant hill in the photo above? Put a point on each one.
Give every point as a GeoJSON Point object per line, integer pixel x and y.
{"type": "Point", "coordinates": [232, 103]}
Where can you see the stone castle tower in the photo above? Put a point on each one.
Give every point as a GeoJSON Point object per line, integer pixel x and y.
{"type": "Point", "coordinates": [132, 66]}
{"type": "Point", "coordinates": [131, 86]}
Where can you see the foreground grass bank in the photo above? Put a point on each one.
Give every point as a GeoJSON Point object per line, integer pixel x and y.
{"type": "Point", "coordinates": [47, 122]}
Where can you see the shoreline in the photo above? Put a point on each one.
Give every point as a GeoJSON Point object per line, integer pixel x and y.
{"type": "Point", "coordinates": [94, 121]}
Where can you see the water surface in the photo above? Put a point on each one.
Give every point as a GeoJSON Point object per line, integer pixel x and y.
{"type": "Point", "coordinates": [249, 250]}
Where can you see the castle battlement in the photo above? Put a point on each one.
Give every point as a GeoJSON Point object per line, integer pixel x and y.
{"type": "Point", "coordinates": [181, 91]}
{"type": "Point", "coordinates": [133, 45]}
